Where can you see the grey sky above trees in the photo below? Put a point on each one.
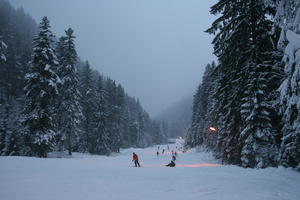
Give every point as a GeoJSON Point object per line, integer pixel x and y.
{"type": "Point", "coordinates": [156, 49]}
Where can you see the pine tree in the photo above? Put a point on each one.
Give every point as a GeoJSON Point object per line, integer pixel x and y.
{"type": "Point", "coordinates": [195, 133]}
{"type": "Point", "coordinates": [87, 89]}
{"type": "Point", "coordinates": [41, 88]}
{"type": "Point", "coordinates": [115, 110]}
{"type": "Point", "coordinates": [242, 44]}
{"type": "Point", "coordinates": [288, 17]}
{"type": "Point", "coordinates": [69, 108]}
{"type": "Point", "coordinates": [203, 105]}
{"type": "Point", "coordinates": [13, 142]}
{"type": "Point", "coordinates": [101, 139]}
{"type": "Point", "coordinates": [3, 47]}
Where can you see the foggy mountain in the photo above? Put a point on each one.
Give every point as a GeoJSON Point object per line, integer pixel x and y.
{"type": "Point", "coordinates": [177, 117]}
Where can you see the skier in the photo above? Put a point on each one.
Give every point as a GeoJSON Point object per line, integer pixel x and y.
{"type": "Point", "coordinates": [171, 164]}
{"type": "Point", "coordinates": [163, 151]}
{"type": "Point", "coordinates": [176, 153]}
{"type": "Point", "coordinates": [157, 153]}
{"type": "Point", "coordinates": [168, 147]}
{"type": "Point", "coordinates": [136, 160]}
{"type": "Point", "coordinates": [173, 158]}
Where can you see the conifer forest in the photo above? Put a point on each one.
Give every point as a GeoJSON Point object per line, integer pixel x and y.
{"type": "Point", "coordinates": [52, 101]}
{"type": "Point", "coordinates": [251, 95]}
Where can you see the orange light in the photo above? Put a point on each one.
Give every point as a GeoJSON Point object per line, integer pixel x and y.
{"type": "Point", "coordinates": [212, 129]}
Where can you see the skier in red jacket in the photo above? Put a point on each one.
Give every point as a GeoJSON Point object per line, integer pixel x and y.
{"type": "Point", "coordinates": [136, 160]}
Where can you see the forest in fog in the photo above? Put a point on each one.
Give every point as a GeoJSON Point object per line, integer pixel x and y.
{"type": "Point", "coordinates": [247, 108]}
{"type": "Point", "coordinates": [50, 100]}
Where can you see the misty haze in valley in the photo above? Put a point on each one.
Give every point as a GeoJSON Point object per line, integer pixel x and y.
{"type": "Point", "coordinates": [177, 118]}
{"type": "Point", "coordinates": [156, 49]}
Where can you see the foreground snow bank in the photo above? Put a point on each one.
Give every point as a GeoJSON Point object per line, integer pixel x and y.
{"type": "Point", "coordinates": [197, 176]}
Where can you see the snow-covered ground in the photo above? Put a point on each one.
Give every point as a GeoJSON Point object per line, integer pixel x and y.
{"type": "Point", "coordinates": [197, 176]}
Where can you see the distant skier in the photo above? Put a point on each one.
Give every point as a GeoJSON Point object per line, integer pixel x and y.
{"type": "Point", "coordinates": [176, 153]}
{"type": "Point", "coordinates": [172, 152]}
{"type": "Point", "coordinates": [173, 158]}
{"type": "Point", "coordinates": [168, 147]}
{"type": "Point", "coordinates": [135, 160]}
{"type": "Point", "coordinates": [171, 164]}
{"type": "Point", "coordinates": [157, 153]}
{"type": "Point", "coordinates": [163, 151]}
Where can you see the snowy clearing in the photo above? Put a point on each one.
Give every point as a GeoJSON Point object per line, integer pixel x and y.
{"type": "Point", "coordinates": [196, 176]}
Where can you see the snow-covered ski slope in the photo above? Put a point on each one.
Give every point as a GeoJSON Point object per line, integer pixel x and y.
{"type": "Point", "coordinates": [197, 176]}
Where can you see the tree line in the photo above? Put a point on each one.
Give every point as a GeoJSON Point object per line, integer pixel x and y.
{"type": "Point", "coordinates": [251, 95]}
{"type": "Point", "coordinates": [52, 101]}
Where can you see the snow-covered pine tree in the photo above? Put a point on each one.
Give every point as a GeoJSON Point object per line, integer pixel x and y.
{"type": "Point", "coordinates": [229, 42]}
{"type": "Point", "coordinates": [3, 47]}
{"type": "Point", "coordinates": [242, 44]}
{"type": "Point", "coordinates": [141, 127]}
{"type": "Point", "coordinates": [40, 90]}
{"type": "Point", "coordinates": [3, 118]}
{"type": "Point", "coordinates": [115, 99]}
{"type": "Point", "coordinates": [130, 125]}
{"type": "Point", "coordinates": [69, 109]}
{"type": "Point", "coordinates": [101, 140]}
{"type": "Point", "coordinates": [13, 142]}
{"type": "Point", "coordinates": [288, 17]}
{"type": "Point", "coordinates": [197, 119]}
{"type": "Point", "coordinates": [157, 137]}
{"type": "Point", "coordinates": [210, 81]}
{"type": "Point", "coordinates": [17, 29]}
{"type": "Point", "coordinates": [88, 108]}
{"type": "Point", "coordinates": [203, 105]}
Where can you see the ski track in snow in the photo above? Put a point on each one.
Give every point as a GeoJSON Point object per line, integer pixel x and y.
{"type": "Point", "coordinates": [197, 176]}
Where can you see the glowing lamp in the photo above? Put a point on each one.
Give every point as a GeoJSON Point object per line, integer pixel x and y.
{"type": "Point", "coordinates": [212, 129]}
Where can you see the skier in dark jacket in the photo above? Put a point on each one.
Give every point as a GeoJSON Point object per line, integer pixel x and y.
{"type": "Point", "coordinates": [171, 164]}
{"type": "Point", "coordinates": [173, 158]}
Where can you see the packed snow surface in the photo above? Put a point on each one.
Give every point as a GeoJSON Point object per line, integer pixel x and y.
{"type": "Point", "coordinates": [197, 176]}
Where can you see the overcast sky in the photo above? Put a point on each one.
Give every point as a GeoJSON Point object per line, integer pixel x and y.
{"type": "Point", "coordinates": [156, 49]}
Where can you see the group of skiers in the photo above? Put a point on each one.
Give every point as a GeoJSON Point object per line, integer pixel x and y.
{"type": "Point", "coordinates": [135, 158]}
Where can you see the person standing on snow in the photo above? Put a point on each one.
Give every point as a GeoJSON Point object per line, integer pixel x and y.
{"type": "Point", "coordinates": [136, 160]}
